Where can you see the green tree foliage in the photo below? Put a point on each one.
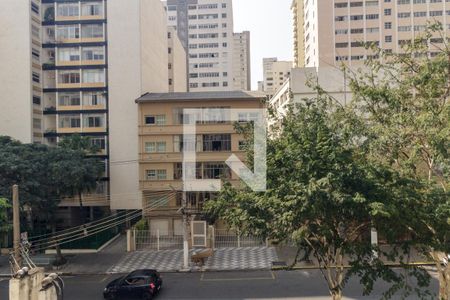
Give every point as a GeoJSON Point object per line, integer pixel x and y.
{"type": "Point", "coordinates": [322, 192]}
{"type": "Point", "coordinates": [404, 108]}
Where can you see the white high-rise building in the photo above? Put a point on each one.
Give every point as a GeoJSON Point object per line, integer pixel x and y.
{"type": "Point", "coordinates": [332, 32]}
{"type": "Point", "coordinates": [205, 28]}
{"type": "Point", "coordinates": [241, 61]}
{"type": "Point", "coordinates": [275, 74]}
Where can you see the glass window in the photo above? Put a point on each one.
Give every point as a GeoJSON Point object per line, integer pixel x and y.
{"type": "Point", "coordinates": [92, 31]}
{"type": "Point", "coordinates": [68, 32]}
{"type": "Point", "coordinates": [155, 120]}
{"type": "Point", "coordinates": [69, 121]}
{"type": "Point", "coordinates": [150, 147]}
{"type": "Point", "coordinates": [217, 142]}
{"type": "Point", "coordinates": [92, 9]}
{"type": "Point", "coordinates": [93, 53]}
{"type": "Point", "coordinates": [68, 10]}
{"type": "Point", "coordinates": [94, 98]}
{"type": "Point", "coordinates": [67, 77]}
{"type": "Point", "coordinates": [69, 99]}
{"type": "Point", "coordinates": [69, 54]}
{"type": "Point", "coordinates": [93, 76]}
{"type": "Point", "coordinates": [94, 121]}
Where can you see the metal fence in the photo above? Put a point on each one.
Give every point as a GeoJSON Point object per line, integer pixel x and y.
{"type": "Point", "coordinates": [226, 239]}
{"type": "Point", "coordinates": [155, 240]}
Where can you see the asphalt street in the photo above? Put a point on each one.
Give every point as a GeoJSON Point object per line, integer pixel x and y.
{"type": "Point", "coordinates": [224, 285]}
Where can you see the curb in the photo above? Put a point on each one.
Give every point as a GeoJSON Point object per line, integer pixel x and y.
{"type": "Point", "coordinates": [394, 265]}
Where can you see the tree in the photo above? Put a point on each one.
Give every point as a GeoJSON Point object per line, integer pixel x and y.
{"type": "Point", "coordinates": [5, 225]}
{"type": "Point", "coordinates": [78, 169]}
{"type": "Point", "coordinates": [321, 191]}
{"type": "Point", "coordinates": [404, 106]}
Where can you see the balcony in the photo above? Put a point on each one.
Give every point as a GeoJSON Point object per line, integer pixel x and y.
{"type": "Point", "coordinates": [178, 156]}
{"type": "Point", "coordinates": [178, 129]}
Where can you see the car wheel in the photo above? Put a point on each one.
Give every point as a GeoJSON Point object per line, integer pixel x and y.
{"type": "Point", "coordinates": [147, 296]}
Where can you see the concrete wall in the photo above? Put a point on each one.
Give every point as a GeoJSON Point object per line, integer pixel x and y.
{"type": "Point", "coordinates": [178, 60]}
{"type": "Point", "coordinates": [137, 37]}
{"type": "Point", "coordinates": [16, 112]}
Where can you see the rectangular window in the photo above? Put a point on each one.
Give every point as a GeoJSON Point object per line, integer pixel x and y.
{"type": "Point", "coordinates": [35, 32]}
{"type": "Point", "coordinates": [100, 143]}
{"type": "Point", "coordinates": [372, 16]}
{"type": "Point", "coordinates": [69, 77]}
{"type": "Point", "coordinates": [37, 123]}
{"type": "Point", "coordinates": [93, 76]}
{"type": "Point", "coordinates": [155, 120]}
{"type": "Point", "coordinates": [69, 121]}
{"type": "Point", "coordinates": [92, 31]}
{"type": "Point", "coordinates": [93, 53]}
{"type": "Point", "coordinates": [216, 171]}
{"type": "Point", "coordinates": [387, 12]}
{"type": "Point", "coordinates": [94, 121]}
{"type": "Point", "coordinates": [68, 32]}
{"type": "Point", "coordinates": [37, 100]}
{"type": "Point", "coordinates": [34, 8]}
{"type": "Point", "coordinates": [92, 9]}
{"type": "Point", "coordinates": [36, 77]}
{"type": "Point", "coordinates": [388, 25]}
{"type": "Point", "coordinates": [68, 10]}
{"type": "Point", "coordinates": [69, 99]}
{"type": "Point", "coordinates": [35, 53]}
{"type": "Point", "coordinates": [216, 142]}
{"type": "Point", "coordinates": [94, 98]}
{"type": "Point", "coordinates": [156, 174]}
{"type": "Point", "coordinates": [68, 54]}
{"type": "Point", "coordinates": [162, 174]}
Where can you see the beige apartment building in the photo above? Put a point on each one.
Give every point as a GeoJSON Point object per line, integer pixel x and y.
{"type": "Point", "coordinates": [327, 33]}
{"type": "Point", "coordinates": [275, 73]}
{"type": "Point", "coordinates": [75, 67]}
{"type": "Point", "coordinates": [241, 61]}
{"type": "Point", "coordinates": [161, 150]}
{"type": "Point", "coordinates": [177, 63]}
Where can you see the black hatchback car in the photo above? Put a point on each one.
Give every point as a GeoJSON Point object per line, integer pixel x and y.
{"type": "Point", "coordinates": [139, 284]}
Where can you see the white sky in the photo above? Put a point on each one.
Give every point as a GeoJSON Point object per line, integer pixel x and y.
{"type": "Point", "coordinates": [271, 31]}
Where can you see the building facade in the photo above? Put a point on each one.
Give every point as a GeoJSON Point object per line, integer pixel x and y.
{"type": "Point", "coordinates": [75, 67]}
{"type": "Point", "coordinates": [161, 150]}
{"type": "Point", "coordinates": [275, 74]}
{"type": "Point", "coordinates": [241, 61]}
{"type": "Point", "coordinates": [177, 63]}
{"type": "Point", "coordinates": [334, 32]}
{"type": "Point", "coordinates": [205, 28]}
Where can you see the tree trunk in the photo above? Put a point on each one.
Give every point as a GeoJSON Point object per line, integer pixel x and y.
{"type": "Point", "coordinates": [60, 260]}
{"type": "Point", "coordinates": [336, 295]}
{"type": "Point", "coordinates": [443, 274]}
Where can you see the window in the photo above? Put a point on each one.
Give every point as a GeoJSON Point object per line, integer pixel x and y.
{"type": "Point", "coordinates": [372, 3]}
{"type": "Point", "coordinates": [372, 16]}
{"type": "Point", "coordinates": [93, 76]}
{"type": "Point", "coordinates": [216, 142]}
{"type": "Point", "coordinates": [357, 30]}
{"type": "Point", "coordinates": [387, 12]}
{"type": "Point", "coordinates": [37, 100]}
{"type": "Point", "coordinates": [155, 120]}
{"type": "Point", "coordinates": [92, 31]}
{"type": "Point", "coordinates": [35, 53]}
{"type": "Point", "coordinates": [156, 174]}
{"type": "Point", "coordinates": [242, 145]}
{"type": "Point", "coordinates": [340, 18]}
{"type": "Point", "coordinates": [224, 16]}
{"type": "Point", "coordinates": [34, 7]}
{"type": "Point", "coordinates": [68, 10]}
{"type": "Point", "coordinates": [341, 45]}
{"type": "Point", "coordinates": [69, 99]}
{"type": "Point", "coordinates": [341, 31]}
{"type": "Point", "coordinates": [36, 77]}
{"type": "Point", "coordinates": [93, 121]}
{"type": "Point", "coordinates": [68, 54]}
{"type": "Point", "coordinates": [216, 171]}
{"type": "Point", "coordinates": [340, 5]}
{"type": "Point", "coordinates": [404, 28]}
{"type": "Point", "coordinates": [420, 14]}
{"type": "Point", "coordinates": [69, 121]}
{"type": "Point", "coordinates": [94, 98]}
{"type": "Point", "coordinates": [373, 30]}
{"type": "Point", "coordinates": [35, 31]}
{"type": "Point", "coordinates": [402, 15]}
{"type": "Point", "coordinates": [100, 143]}
{"type": "Point", "coordinates": [436, 13]}
{"type": "Point", "coordinates": [69, 77]}
{"type": "Point", "coordinates": [92, 9]}
{"type": "Point", "coordinates": [388, 25]}
{"type": "Point", "coordinates": [153, 147]}
{"type": "Point", "coordinates": [93, 53]}
{"type": "Point", "coordinates": [388, 39]}
{"type": "Point", "coordinates": [68, 32]}
{"type": "Point", "coordinates": [356, 4]}
{"type": "Point", "coordinates": [37, 123]}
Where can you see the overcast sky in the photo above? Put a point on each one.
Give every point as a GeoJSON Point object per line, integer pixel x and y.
{"type": "Point", "coordinates": [271, 32]}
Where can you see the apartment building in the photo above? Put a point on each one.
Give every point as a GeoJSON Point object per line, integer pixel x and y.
{"type": "Point", "coordinates": [205, 28]}
{"type": "Point", "coordinates": [334, 32]}
{"type": "Point", "coordinates": [21, 72]}
{"type": "Point", "coordinates": [295, 89]}
{"type": "Point", "coordinates": [241, 61]}
{"type": "Point", "coordinates": [75, 67]}
{"type": "Point", "coordinates": [177, 63]}
{"type": "Point", "coordinates": [161, 150]}
{"type": "Point", "coordinates": [275, 74]}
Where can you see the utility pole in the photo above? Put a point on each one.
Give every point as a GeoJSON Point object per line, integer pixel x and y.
{"type": "Point", "coordinates": [16, 225]}
{"type": "Point", "coordinates": [185, 233]}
